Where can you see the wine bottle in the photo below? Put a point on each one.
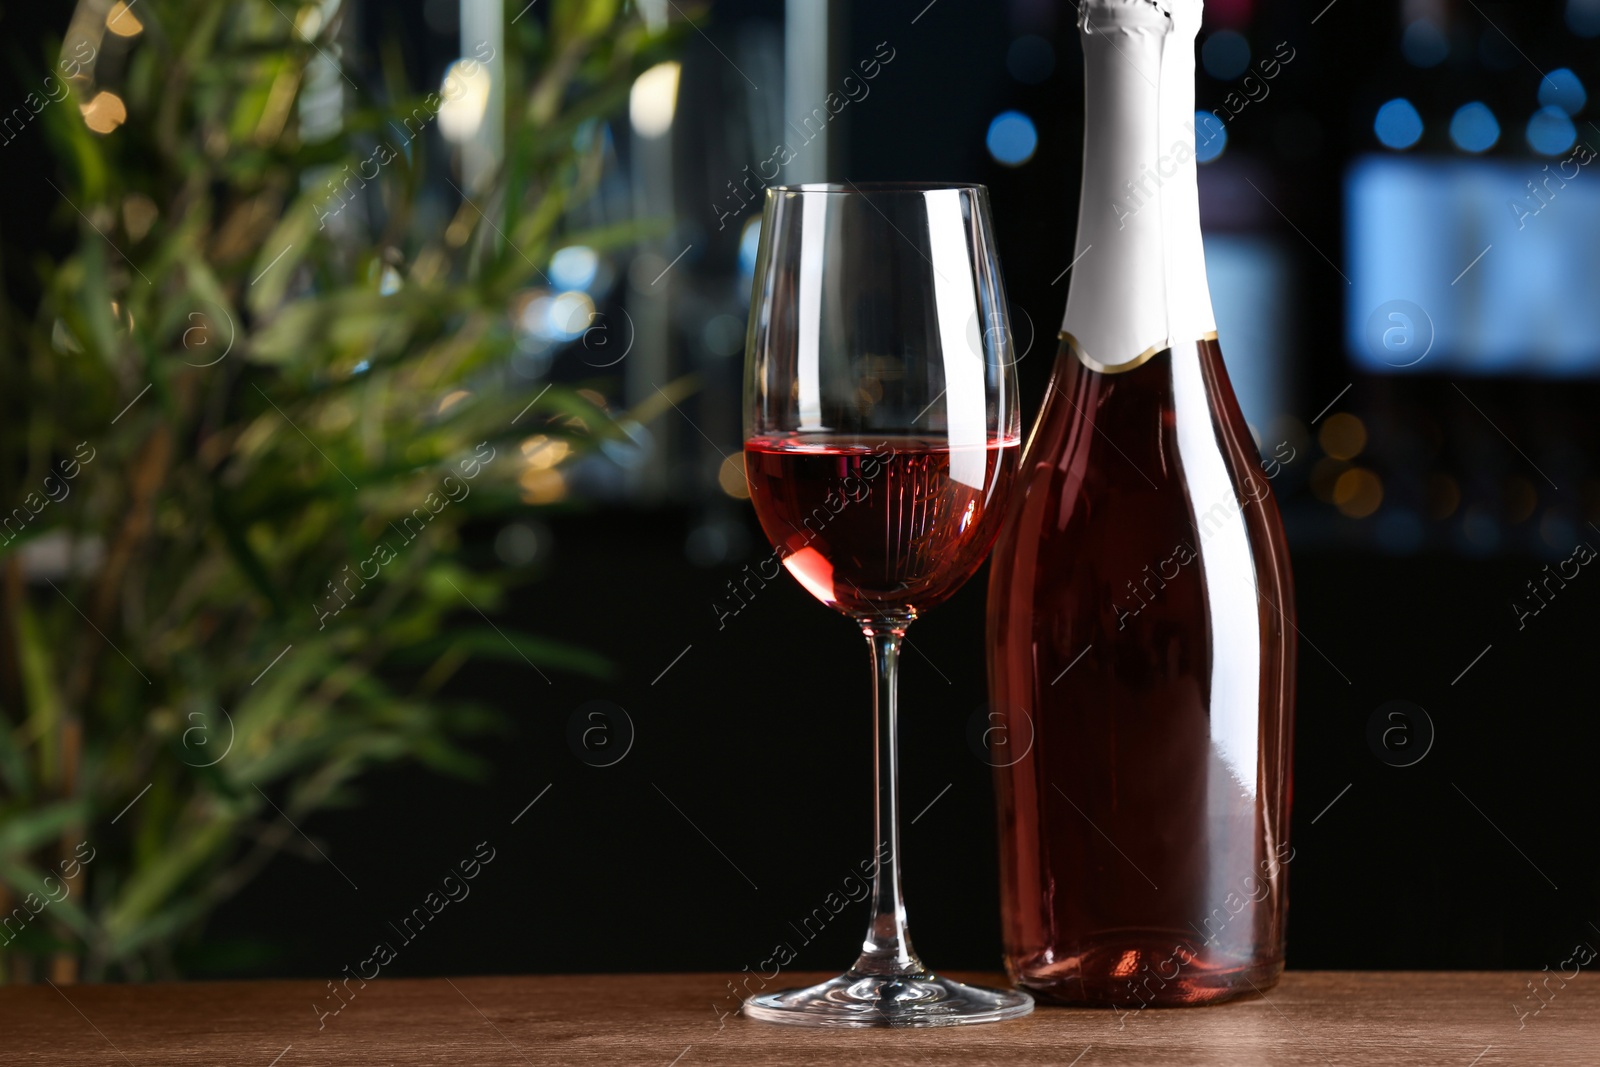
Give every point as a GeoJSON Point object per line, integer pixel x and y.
{"type": "Point", "coordinates": [1140, 643]}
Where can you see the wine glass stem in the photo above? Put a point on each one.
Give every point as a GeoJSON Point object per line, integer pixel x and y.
{"type": "Point", "coordinates": [887, 947]}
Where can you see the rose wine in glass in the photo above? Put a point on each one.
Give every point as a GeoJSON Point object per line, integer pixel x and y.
{"type": "Point", "coordinates": [877, 530]}
{"type": "Point", "coordinates": [1141, 617]}
{"type": "Point", "coordinates": [881, 438]}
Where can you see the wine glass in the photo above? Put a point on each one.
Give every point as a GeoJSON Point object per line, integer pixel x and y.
{"type": "Point", "coordinates": [881, 435]}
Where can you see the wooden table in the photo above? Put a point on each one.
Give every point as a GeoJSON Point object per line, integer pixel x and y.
{"type": "Point", "coordinates": [1447, 1018]}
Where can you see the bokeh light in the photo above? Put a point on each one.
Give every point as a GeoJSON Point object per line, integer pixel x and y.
{"type": "Point", "coordinates": [1398, 125]}
{"type": "Point", "coordinates": [1210, 136]}
{"type": "Point", "coordinates": [1225, 55]}
{"type": "Point", "coordinates": [139, 213]}
{"type": "Point", "coordinates": [465, 93]}
{"type": "Point", "coordinates": [1424, 44]}
{"type": "Point", "coordinates": [1343, 436]}
{"type": "Point", "coordinates": [547, 317]}
{"type": "Point", "coordinates": [1583, 17]}
{"type": "Point", "coordinates": [568, 315]}
{"type": "Point", "coordinates": [542, 486]}
{"type": "Point", "coordinates": [1474, 128]}
{"type": "Point", "coordinates": [1012, 138]}
{"type": "Point", "coordinates": [730, 477]}
{"type": "Point", "coordinates": [105, 112]}
{"type": "Point", "coordinates": [541, 452]}
{"type": "Point", "coordinates": [519, 543]}
{"type": "Point", "coordinates": [1562, 88]}
{"type": "Point", "coordinates": [122, 21]}
{"type": "Point", "coordinates": [1550, 131]}
{"type": "Point", "coordinates": [574, 267]}
{"type": "Point", "coordinates": [1358, 493]}
{"type": "Point", "coordinates": [723, 335]}
{"type": "Point", "coordinates": [653, 99]}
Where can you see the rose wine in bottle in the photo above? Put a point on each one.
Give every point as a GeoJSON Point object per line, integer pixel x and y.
{"type": "Point", "coordinates": [1141, 652]}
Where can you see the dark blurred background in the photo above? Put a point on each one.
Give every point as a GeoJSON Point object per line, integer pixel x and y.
{"type": "Point", "coordinates": [1442, 431]}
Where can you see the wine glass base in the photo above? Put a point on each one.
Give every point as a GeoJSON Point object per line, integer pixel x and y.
{"type": "Point", "coordinates": [860, 1000]}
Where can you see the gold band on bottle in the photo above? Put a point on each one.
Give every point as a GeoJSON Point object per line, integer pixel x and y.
{"type": "Point", "coordinates": [1117, 368]}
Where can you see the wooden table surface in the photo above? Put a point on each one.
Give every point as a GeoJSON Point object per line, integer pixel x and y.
{"type": "Point", "coordinates": [1448, 1018]}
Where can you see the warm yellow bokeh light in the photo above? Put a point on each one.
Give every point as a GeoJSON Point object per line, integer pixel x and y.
{"type": "Point", "coordinates": [542, 486]}
{"type": "Point", "coordinates": [139, 213]}
{"type": "Point", "coordinates": [1343, 436]}
{"type": "Point", "coordinates": [730, 476]}
{"type": "Point", "coordinates": [542, 453]}
{"type": "Point", "coordinates": [121, 20]}
{"type": "Point", "coordinates": [1358, 492]}
{"type": "Point", "coordinates": [105, 112]}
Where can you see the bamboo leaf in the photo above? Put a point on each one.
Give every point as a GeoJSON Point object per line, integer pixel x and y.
{"type": "Point", "coordinates": [147, 887]}
{"type": "Point", "coordinates": [284, 248]}
{"type": "Point", "coordinates": [23, 831]}
{"type": "Point", "coordinates": [23, 878]}
{"type": "Point", "coordinates": [46, 705]}
{"type": "Point", "coordinates": [509, 646]}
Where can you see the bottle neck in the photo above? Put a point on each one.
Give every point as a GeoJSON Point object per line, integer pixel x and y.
{"type": "Point", "coordinates": [1139, 283]}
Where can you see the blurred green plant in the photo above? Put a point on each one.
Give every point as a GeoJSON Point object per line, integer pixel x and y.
{"type": "Point", "coordinates": [259, 362]}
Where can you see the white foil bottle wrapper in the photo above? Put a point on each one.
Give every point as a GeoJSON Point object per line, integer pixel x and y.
{"type": "Point", "coordinates": [1139, 279]}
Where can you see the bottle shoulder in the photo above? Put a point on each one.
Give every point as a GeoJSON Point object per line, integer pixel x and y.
{"type": "Point", "coordinates": [1142, 509]}
{"type": "Point", "coordinates": [1139, 456]}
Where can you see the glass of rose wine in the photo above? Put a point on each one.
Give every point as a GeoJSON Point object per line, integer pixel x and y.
{"type": "Point", "coordinates": [881, 437]}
